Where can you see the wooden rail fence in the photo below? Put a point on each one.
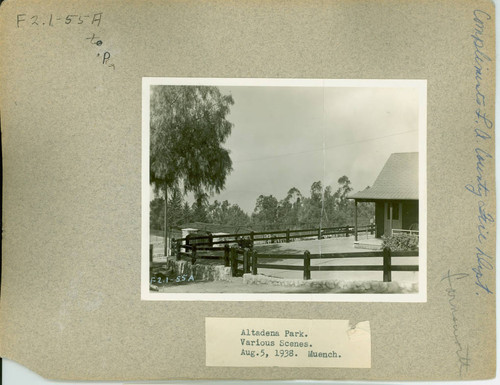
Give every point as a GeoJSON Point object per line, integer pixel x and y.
{"type": "Point", "coordinates": [193, 245]}
{"type": "Point", "coordinates": [247, 260]}
{"type": "Point", "coordinates": [272, 236]}
{"type": "Point", "coordinates": [238, 253]}
{"type": "Point", "coordinates": [387, 267]}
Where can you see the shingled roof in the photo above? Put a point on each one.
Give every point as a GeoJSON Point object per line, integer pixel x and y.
{"type": "Point", "coordinates": [397, 180]}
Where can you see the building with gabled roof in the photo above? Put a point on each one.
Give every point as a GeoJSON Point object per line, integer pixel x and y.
{"type": "Point", "coordinates": [395, 194]}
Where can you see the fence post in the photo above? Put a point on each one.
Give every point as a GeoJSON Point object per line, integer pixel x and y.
{"type": "Point", "coordinates": [347, 231]}
{"type": "Point", "coordinates": [287, 235]}
{"type": "Point", "coordinates": [254, 262]}
{"type": "Point", "coordinates": [307, 265]}
{"type": "Point", "coordinates": [226, 255]}
{"type": "Point", "coordinates": [193, 255]}
{"type": "Point", "coordinates": [252, 237]}
{"type": "Point", "coordinates": [210, 240]}
{"type": "Point", "coordinates": [387, 264]}
{"type": "Point", "coordinates": [151, 253]}
{"type": "Point", "coordinates": [319, 233]}
{"type": "Point", "coordinates": [245, 262]}
{"type": "Point", "coordinates": [234, 261]}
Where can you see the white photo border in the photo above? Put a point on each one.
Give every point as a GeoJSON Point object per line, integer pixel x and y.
{"type": "Point", "coordinates": [421, 85]}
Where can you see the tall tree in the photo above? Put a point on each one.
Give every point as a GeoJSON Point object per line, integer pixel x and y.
{"type": "Point", "coordinates": [188, 127]}
{"type": "Point", "coordinates": [227, 214]}
{"type": "Point", "coordinates": [175, 212]}
{"type": "Point", "coordinates": [200, 207]}
{"type": "Point", "coordinates": [236, 216]}
{"type": "Point", "coordinates": [328, 207]}
{"type": "Point", "coordinates": [186, 213]}
{"type": "Point", "coordinates": [310, 214]}
{"type": "Point", "coordinates": [266, 211]}
{"type": "Point", "coordinates": [288, 209]}
{"type": "Point", "coordinates": [345, 207]}
{"type": "Point", "coordinates": [156, 213]}
{"type": "Point", "coordinates": [214, 212]}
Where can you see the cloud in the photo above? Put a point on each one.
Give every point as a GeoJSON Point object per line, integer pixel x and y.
{"type": "Point", "coordinates": [287, 137]}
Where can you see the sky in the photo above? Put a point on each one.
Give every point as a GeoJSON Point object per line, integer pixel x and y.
{"type": "Point", "coordinates": [286, 137]}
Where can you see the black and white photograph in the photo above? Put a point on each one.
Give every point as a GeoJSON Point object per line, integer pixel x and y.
{"type": "Point", "coordinates": [284, 189]}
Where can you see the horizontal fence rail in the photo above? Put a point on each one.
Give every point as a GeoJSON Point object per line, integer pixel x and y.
{"type": "Point", "coordinates": [402, 231]}
{"type": "Point", "coordinates": [246, 260]}
{"type": "Point", "coordinates": [387, 267]}
{"type": "Point", "coordinates": [273, 236]}
{"type": "Point", "coordinates": [236, 250]}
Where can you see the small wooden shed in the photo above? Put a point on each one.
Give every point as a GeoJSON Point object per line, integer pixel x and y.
{"type": "Point", "coordinates": [395, 194]}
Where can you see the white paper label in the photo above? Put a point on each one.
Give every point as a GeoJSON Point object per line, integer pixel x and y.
{"type": "Point", "coordinates": [287, 342]}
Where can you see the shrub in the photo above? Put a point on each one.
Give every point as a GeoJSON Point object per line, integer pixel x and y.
{"type": "Point", "coordinates": [400, 242]}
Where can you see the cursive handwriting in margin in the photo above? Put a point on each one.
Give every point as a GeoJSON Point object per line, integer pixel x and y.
{"type": "Point", "coordinates": [462, 351]}
{"type": "Point", "coordinates": [482, 133]}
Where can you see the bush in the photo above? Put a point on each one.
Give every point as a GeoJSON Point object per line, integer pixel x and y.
{"type": "Point", "coordinates": [401, 242]}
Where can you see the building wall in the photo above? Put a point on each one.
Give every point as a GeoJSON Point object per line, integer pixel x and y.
{"type": "Point", "coordinates": [379, 219]}
{"type": "Point", "coordinates": [410, 213]}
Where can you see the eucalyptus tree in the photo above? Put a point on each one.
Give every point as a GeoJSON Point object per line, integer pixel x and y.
{"type": "Point", "coordinates": [188, 128]}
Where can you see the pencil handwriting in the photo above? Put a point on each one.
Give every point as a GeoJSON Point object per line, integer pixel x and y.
{"type": "Point", "coordinates": [104, 55]}
{"type": "Point", "coordinates": [52, 20]}
{"type": "Point", "coordinates": [462, 350]}
{"type": "Point", "coordinates": [483, 264]}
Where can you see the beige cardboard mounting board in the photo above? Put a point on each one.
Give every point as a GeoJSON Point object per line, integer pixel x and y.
{"type": "Point", "coordinates": [71, 115]}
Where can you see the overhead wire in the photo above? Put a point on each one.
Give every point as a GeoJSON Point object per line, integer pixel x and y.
{"type": "Point", "coordinates": [323, 148]}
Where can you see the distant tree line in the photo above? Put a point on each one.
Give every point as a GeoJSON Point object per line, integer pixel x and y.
{"type": "Point", "coordinates": [322, 207]}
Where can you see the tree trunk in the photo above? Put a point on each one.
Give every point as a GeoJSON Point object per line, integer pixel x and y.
{"type": "Point", "coordinates": [165, 225]}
